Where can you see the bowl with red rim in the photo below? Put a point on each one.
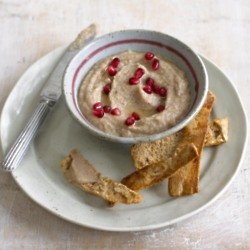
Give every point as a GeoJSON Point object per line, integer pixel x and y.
{"type": "Point", "coordinates": [144, 41]}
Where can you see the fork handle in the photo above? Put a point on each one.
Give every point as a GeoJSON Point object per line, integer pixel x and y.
{"type": "Point", "coordinates": [21, 145]}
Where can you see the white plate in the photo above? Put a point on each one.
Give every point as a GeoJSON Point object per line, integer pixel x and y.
{"type": "Point", "coordinates": [40, 177]}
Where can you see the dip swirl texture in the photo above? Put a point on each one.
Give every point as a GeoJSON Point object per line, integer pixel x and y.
{"type": "Point", "coordinates": [157, 112]}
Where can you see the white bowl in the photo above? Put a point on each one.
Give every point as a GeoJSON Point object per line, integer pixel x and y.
{"type": "Point", "coordinates": [137, 40]}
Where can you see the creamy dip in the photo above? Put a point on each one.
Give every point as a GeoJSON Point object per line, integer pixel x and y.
{"type": "Point", "coordinates": [157, 110]}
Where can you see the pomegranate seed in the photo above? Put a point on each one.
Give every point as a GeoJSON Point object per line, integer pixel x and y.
{"type": "Point", "coordinates": [148, 89]}
{"type": "Point", "coordinates": [155, 64]}
{"type": "Point", "coordinates": [115, 111]}
{"type": "Point", "coordinates": [162, 91]}
{"type": "Point", "coordinates": [98, 113]}
{"type": "Point", "coordinates": [97, 106]}
{"type": "Point", "coordinates": [106, 109]}
{"type": "Point", "coordinates": [115, 62]}
{"type": "Point", "coordinates": [106, 89]}
{"type": "Point", "coordinates": [136, 116]}
{"type": "Point", "coordinates": [160, 108]}
{"type": "Point", "coordinates": [149, 55]}
{"type": "Point", "coordinates": [150, 81]}
{"type": "Point", "coordinates": [139, 73]}
{"type": "Point", "coordinates": [133, 81]}
{"type": "Point", "coordinates": [156, 89]}
{"type": "Point", "coordinates": [130, 121]}
{"type": "Point", "coordinates": [111, 71]}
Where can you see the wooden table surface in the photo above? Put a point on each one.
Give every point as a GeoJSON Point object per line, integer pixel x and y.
{"type": "Point", "coordinates": [219, 29]}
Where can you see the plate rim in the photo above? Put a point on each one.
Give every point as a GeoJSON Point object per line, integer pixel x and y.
{"type": "Point", "coordinates": [147, 227]}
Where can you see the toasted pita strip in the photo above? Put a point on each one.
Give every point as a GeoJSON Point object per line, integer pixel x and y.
{"type": "Point", "coordinates": [82, 174]}
{"type": "Point", "coordinates": [147, 153]}
{"type": "Point", "coordinates": [185, 181]}
{"type": "Point", "coordinates": [155, 173]}
{"type": "Point", "coordinates": [217, 132]}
